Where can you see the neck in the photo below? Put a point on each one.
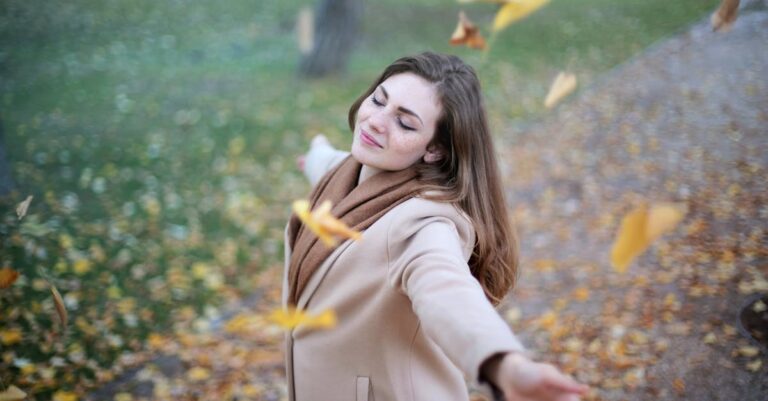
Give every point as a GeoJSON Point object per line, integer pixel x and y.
{"type": "Point", "coordinates": [367, 172]}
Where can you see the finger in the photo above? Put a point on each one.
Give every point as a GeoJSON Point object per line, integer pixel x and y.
{"type": "Point", "coordinates": [557, 380]}
{"type": "Point", "coordinates": [568, 397]}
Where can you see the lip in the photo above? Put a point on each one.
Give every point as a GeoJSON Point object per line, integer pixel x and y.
{"type": "Point", "coordinates": [368, 140]}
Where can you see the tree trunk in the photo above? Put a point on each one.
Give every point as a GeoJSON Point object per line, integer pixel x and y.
{"type": "Point", "coordinates": [337, 24]}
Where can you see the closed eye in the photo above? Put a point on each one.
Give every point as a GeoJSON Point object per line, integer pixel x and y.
{"type": "Point", "coordinates": [399, 121]}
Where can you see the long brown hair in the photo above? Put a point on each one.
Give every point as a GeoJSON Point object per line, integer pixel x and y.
{"type": "Point", "coordinates": [468, 173]}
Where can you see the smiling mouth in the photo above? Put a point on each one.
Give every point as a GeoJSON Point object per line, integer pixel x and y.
{"type": "Point", "coordinates": [369, 139]}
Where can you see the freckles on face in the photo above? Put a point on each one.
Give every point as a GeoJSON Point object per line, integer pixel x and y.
{"type": "Point", "coordinates": [396, 123]}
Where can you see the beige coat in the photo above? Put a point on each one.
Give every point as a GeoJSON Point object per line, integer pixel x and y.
{"type": "Point", "coordinates": [412, 321]}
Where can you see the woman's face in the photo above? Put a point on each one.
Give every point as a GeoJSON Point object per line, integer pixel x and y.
{"type": "Point", "coordinates": [396, 123]}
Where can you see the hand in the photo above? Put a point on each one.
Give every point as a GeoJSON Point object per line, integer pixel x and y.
{"type": "Point", "coordinates": [522, 379]}
{"type": "Point", "coordinates": [318, 140]}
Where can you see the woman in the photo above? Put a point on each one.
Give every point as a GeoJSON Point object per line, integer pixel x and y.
{"type": "Point", "coordinates": [414, 297]}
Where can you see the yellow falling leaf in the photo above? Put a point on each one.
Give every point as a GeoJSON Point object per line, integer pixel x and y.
{"type": "Point", "coordinates": [631, 239]}
{"type": "Point", "coordinates": [7, 277]}
{"type": "Point", "coordinates": [61, 310]}
{"type": "Point", "coordinates": [663, 218]}
{"type": "Point", "coordinates": [21, 209]}
{"type": "Point", "coordinates": [640, 227]}
{"type": "Point", "coordinates": [322, 223]}
{"type": "Point", "coordinates": [562, 86]}
{"type": "Point", "coordinates": [725, 16]}
{"type": "Point", "coordinates": [466, 33]}
{"type": "Point", "coordinates": [290, 318]}
{"type": "Point", "coordinates": [12, 393]}
{"type": "Point", "coordinates": [515, 10]}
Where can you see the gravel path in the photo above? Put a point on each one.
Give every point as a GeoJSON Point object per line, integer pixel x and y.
{"type": "Point", "coordinates": [685, 121]}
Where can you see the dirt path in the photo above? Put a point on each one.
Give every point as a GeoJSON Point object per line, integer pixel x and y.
{"type": "Point", "coordinates": [685, 121]}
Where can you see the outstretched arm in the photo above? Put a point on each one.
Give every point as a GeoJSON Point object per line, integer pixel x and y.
{"type": "Point", "coordinates": [321, 158]}
{"type": "Point", "coordinates": [521, 379]}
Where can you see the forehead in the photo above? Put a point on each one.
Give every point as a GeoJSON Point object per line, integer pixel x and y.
{"type": "Point", "coordinates": [414, 92]}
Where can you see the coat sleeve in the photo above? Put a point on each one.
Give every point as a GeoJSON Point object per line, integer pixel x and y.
{"type": "Point", "coordinates": [320, 160]}
{"type": "Point", "coordinates": [428, 256]}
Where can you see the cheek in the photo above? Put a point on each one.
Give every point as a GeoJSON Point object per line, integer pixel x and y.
{"type": "Point", "coordinates": [410, 145]}
{"type": "Point", "coordinates": [363, 111]}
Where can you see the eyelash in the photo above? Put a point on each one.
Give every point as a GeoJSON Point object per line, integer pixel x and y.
{"type": "Point", "coordinates": [378, 103]}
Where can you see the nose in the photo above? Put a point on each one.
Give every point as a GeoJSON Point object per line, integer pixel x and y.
{"type": "Point", "coordinates": [377, 121]}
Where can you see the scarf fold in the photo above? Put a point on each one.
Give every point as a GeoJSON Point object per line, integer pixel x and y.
{"type": "Point", "coordinates": [359, 206]}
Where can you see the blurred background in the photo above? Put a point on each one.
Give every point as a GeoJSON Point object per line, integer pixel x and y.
{"type": "Point", "coordinates": [158, 140]}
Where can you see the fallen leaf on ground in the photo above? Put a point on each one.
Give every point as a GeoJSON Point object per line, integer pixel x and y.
{"type": "Point", "coordinates": [561, 87]}
{"type": "Point", "coordinates": [10, 336]}
{"type": "Point", "coordinates": [679, 386]}
{"type": "Point", "coordinates": [7, 277]}
{"type": "Point", "coordinates": [62, 395]}
{"type": "Point", "coordinates": [198, 374]}
{"type": "Point", "coordinates": [748, 351]}
{"type": "Point", "coordinates": [755, 365]}
{"type": "Point", "coordinates": [12, 393]}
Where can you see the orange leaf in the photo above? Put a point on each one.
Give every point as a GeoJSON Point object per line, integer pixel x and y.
{"type": "Point", "coordinates": [725, 16]}
{"type": "Point", "coordinates": [7, 277]}
{"type": "Point", "coordinates": [322, 223]}
{"type": "Point", "coordinates": [642, 226]}
{"type": "Point", "coordinates": [581, 293]}
{"type": "Point", "coordinates": [663, 218]}
{"type": "Point", "coordinates": [467, 33]}
{"type": "Point", "coordinates": [631, 239]}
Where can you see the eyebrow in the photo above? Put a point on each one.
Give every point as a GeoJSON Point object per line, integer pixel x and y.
{"type": "Point", "coordinates": [403, 109]}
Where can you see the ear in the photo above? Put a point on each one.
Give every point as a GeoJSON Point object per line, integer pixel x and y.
{"type": "Point", "coordinates": [433, 155]}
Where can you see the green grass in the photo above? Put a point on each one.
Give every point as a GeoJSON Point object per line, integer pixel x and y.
{"type": "Point", "coordinates": [160, 135]}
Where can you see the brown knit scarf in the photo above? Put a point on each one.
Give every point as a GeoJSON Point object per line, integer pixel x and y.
{"type": "Point", "coordinates": [359, 206]}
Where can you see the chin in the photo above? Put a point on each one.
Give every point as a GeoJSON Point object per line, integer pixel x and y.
{"type": "Point", "coordinates": [362, 156]}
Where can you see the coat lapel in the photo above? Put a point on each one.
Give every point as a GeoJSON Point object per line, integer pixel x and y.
{"type": "Point", "coordinates": [319, 274]}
